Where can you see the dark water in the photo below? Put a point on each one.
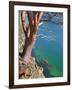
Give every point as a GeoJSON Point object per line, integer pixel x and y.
{"type": "Point", "coordinates": [49, 46]}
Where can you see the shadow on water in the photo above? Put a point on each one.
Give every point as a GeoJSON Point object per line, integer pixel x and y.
{"type": "Point", "coordinates": [44, 64]}
{"type": "Point", "coordinates": [46, 68]}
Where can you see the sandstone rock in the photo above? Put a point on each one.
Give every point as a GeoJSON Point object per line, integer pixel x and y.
{"type": "Point", "coordinates": [31, 70]}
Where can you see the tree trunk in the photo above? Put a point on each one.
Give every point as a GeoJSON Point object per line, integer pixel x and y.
{"type": "Point", "coordinates": [29, 42]}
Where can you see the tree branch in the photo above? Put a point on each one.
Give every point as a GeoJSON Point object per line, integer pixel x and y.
{"type": "Point", "coordinates": [40, 14]}
{"type": "Point", "coordinates": [33, 18]}
{"type": "Point", "coordinates": [23, 16]}
{"type": "Point", "coordinates": [31, 26]}
{"type": "Point", "coordinates": [37, 17]}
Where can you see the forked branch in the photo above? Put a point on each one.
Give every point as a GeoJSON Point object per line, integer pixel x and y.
{"type": "Point", "coordinates": [33, 19]}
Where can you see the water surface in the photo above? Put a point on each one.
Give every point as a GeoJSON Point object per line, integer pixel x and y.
{"type": "Point", "coordinates": [49, 46]}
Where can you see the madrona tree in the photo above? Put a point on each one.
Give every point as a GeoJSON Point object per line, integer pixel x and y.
{"type": "Point", "coordinates": [30, 21]}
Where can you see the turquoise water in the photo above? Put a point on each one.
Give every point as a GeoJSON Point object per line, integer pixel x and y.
{"type": "Point", "coordinates": [49, 47]}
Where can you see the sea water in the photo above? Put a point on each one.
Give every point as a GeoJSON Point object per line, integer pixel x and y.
{"type": "Point", "coordinates": [49, 47]}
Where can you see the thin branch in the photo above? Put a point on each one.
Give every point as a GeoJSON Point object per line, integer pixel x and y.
{"type": "Point", "coordinates": [31, 26]}
{"type": "Point", "coordinates": [23, 16]}
{"type": "Point", "coordinates": [40, 14]}
{"type": "Point", "coordinates": [35, 22]}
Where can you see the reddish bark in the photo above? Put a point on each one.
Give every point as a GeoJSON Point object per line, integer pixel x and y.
{"type": "Point", "coordinates": [33, 27]}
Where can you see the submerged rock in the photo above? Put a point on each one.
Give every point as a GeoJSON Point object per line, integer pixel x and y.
{"type": "Point", "coordinates": [30, 70]}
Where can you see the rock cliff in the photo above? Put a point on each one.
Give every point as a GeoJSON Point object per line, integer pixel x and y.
{"type": "Point", "coordinates": [30, 70]}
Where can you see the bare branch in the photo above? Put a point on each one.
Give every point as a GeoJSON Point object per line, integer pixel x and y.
{"type": "Point", "coordinates": [34, 18]}
{"type": "Point", "coordinates": [31, 26]}
{"type": "Point", "coordinates": [39, 16]}
{"type": "Point", "coordinates": [35, 22]}
{"type": "Point", "coordinates": [29, 18]}
{"type": "Point", "coordinates": [23, 16]}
